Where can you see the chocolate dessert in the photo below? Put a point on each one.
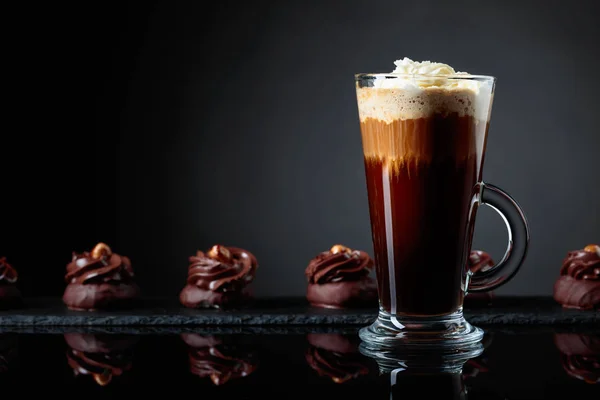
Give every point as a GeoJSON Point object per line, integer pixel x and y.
{"type": "Point", "coordinates": [339, 278]}
{"type": "Point", "coordinates": [479, 261]}
{"type": "Point", "coordinates": [102, 357]}
{"type": "Point", "coordinates": [210, 357]}
{"type": "Point", "coordinates": [219, 278]}
{"type": "Point", "coordinates": [10, 296]}
{"type": "Point", "coordinates": [336, 357]}
{"type": "Point", "coordinates": [99, 279]}
{"type": "Point", "coordinates": [579, 283]}
{"type": "Point", "coordinates": [580, 355]}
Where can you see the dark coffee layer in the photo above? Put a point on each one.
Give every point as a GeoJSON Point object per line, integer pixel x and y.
{"type": "Point", "coordinates": [421, 179]}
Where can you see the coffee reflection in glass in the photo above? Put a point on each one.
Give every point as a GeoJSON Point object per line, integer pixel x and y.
{"type": "Point", "coordinates": [424, 139]}
{"type": "Point", "coordinates": [416, 372]}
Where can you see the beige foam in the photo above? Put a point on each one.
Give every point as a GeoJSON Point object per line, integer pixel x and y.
{"type": "Point", "coordinates": [390, 104]}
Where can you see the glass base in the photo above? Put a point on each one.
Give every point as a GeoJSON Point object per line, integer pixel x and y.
{"type": "Point", "coordinates": [441, 332]}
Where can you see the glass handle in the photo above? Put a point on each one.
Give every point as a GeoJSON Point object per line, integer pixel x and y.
{"type": "Point", "coordinates": [518, 240]}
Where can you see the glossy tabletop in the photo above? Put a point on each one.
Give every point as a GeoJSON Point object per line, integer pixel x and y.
{"type": "Point", "coordinates": [518, 362]}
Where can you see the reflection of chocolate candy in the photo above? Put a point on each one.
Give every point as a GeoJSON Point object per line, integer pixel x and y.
{"type": "Point", "coordinates": [479, 261]}
{"type": "Point", "coordinates": [101, 356]}
{"type": "Point", "coordinates": [8, 351]}
{"type": "Point", "coordinates": [100, 279]}
{"type": "Point", "coordinates": [579, 283]}
{"type": "Point", "coordinates": [10, 296]}
{"type": "Point", "coordinates": [219, 278]}
{"type": "Point", "coordinates": [220, 361]}
{"type": "Point", "coordinates": [100, 343]}
{"type": "Point", "coordinates": [580, 355]}
{"type": "Point", "coordinates": [339, 278]}
{"type": "Point", "coordinates": [336, 357]}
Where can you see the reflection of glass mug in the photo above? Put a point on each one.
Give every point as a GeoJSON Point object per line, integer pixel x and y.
{"type": "Point", "coordinates": [438, 385]}
{"type": "Point", "coordinates": [424, 139]}
{"type": "Point", "coordinates": [425, 374]}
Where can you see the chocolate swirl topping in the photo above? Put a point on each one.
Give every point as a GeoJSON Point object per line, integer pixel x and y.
{"type": "Point", "coordinates": [338, 367]}
{"type": "Point", "coordinates": [580, 355]}
{"type": "Point", "coordinates": [7, 273]}
{"type": "Point", "coordinates": [338, 264]}
{"type": "Point", "coordinates": [101, 265]}
{"type": "Point", "coordinates": [583, 264]}
{"type": "Point", "coordinates": [210, 357]}
{"type": "Point", "coordinates": [586, 368]}
{"type": "Point", "coordinates": [101, 366]}
{"type": "Point", "coordinates": [220, 367]}
{"type": "Point", "coordinates": [222, 269]}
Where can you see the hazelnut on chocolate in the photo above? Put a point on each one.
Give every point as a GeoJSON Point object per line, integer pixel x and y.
{"type": "Point", "coordinates": [101, 250]}
{"type": "Point", "coordinates": [592, 248]}
{"type": "Point", "coordinates": [338, 248]}
{"type": "Point", "coordinates": [219, 253]}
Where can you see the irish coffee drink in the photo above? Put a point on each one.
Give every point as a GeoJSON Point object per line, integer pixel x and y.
{"type": "Point", "coordinates": [423, 145]}
{"type": "Point", "coordinates": [424, 129]}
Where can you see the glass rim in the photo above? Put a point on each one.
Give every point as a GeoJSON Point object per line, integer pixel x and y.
{"type": "Point", "coordinates": [396, 75]}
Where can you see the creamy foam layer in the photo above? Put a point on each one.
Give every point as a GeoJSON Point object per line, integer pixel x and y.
{"type": "Point", "coordinates": [421, 89]}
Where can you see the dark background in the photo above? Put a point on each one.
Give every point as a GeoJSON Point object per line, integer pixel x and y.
{"type": "Point", "coordinates": [165, 127]}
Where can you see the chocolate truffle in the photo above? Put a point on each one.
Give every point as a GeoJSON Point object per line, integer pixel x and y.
{"type": "Point", "coordinates": [221, 362]}
{"type": "Point", "coordinates": [479, 261]}
{"type": "Point", "coordinates": [10, 296]}
{"type": "Point", "coordinates": [336, 357]}
{"type": "Point", "coordinates": [580, 355]}
{"type": "Point", "coordinates": [100, 356]}
{"type": "Point", "coordinates": [219, 278]}
{"type": "Point", "coordinates": [579, 283]}
{"type": "Point", "coordinates": [99, 279]}
{"type": "Point", "coordinates": [339, 278]}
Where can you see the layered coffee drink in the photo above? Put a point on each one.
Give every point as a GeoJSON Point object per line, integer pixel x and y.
{"type": "Point", "coordinates": [424, 135]}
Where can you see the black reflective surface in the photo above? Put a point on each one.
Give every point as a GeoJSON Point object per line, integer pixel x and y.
{"type": "Point", "coordinates": [517, 363]}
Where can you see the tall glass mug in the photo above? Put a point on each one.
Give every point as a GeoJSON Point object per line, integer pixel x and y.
{"type": "Point", "coordinates": [424, 139]}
